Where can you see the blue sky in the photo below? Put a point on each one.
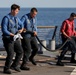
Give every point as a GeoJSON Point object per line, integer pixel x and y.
{"type": "Point", "coordinates": [39, 3]}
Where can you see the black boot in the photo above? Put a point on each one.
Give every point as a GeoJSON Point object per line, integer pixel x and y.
{"type": "Point", "coordinates": [6, 70]}
{"type": "Point", "coordinates": [32, 60]}
{"type": "Point", "coordinates": [16, 69]}
{"type": "Point", "coordinates": [59, 63]}
{"type": "Point", "coordinates": [72, 58]}
{"type": "Point", "coordinates": [24, 67]}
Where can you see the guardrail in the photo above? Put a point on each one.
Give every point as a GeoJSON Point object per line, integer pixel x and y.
{"type": "Point", "coordinates": [46, 26]}
{"type": "Point", "coordinates": [46, 32]}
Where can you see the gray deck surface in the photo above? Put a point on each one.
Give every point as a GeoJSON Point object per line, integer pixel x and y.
{"type": "Point", "coordinates": [46, 65]}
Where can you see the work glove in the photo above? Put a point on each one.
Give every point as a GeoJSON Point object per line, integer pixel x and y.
{"type": "Point", "coordinates": [17, 36]}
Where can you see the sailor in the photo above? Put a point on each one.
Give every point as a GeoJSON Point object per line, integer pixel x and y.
{"type": "Point", "coordinates": [68, 32]}
{"type": "Point", "coordinates": [29, 41]}
{"type": "Point", "coordinates": [11, 25]}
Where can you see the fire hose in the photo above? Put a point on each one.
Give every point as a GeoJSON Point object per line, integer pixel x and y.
{"type": "Point", "coordinates": [30, 32]}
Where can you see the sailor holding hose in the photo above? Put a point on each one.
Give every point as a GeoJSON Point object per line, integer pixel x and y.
{"type": "Point", "coordinates": [68, 32]}
{"type": "Point", "coordinates": [29, 42]}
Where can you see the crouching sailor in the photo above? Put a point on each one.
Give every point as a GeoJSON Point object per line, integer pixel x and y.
{"type": "Point", "coordinates": [11, 24]}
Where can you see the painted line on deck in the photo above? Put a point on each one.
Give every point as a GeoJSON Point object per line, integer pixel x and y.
{"type": "Point", "coordinates": [74, 71]}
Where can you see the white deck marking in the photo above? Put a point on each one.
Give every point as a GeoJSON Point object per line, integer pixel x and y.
{"type": "Point", "coordinates": [74, 71]}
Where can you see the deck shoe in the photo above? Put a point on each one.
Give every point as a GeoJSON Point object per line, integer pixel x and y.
{"type": "Point", "coordinates": [7, 71]}
{"type": "Point", "coordinates": [59, 64]}
{"type": "Point", "coordinates": [24, 68]}
{"type": "Point", "coordinates": [33, 61]}
{"type": "Point", "coordinates": [16, 69]}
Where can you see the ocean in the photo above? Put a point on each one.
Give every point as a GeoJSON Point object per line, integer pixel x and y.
{"type": "Point", "coordinates": [45, 16]}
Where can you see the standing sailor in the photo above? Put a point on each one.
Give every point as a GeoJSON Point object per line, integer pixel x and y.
{"type": "Point", "coordinates": [11, 24]}
{"type": "Point", "coordinates": [29, 41]}
{"type": "Point", "coordinates": [68, 32]}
